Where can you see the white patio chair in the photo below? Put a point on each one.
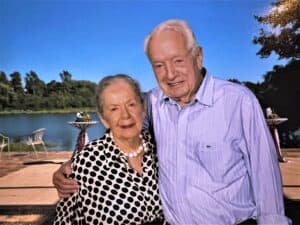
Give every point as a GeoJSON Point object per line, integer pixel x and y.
{"type": "Point", "coordinates": [36, 138]}
{"type": "Point", "coordinates": [4, 141]}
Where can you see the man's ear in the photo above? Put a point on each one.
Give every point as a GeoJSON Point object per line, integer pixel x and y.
{"type": "Point", "coordinates": [199, 58]}
{"type": "Point", "coordinates": [103, 121]}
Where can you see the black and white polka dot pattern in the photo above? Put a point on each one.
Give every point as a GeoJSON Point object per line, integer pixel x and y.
{"type": "Point", "coordinates": [111, 192]}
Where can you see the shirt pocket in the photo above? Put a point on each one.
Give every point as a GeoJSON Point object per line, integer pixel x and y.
{"type": "Point", "coordinates": [213, 159]}
{"type": "Point", "coordinates": [207, 146]}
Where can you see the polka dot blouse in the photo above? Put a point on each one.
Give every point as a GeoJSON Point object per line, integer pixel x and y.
{"type": "Point", "coordinates": [111, 192]}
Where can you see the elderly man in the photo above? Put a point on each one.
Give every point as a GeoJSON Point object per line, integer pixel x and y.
{"type": "Point", "coordinates": [217, 162]}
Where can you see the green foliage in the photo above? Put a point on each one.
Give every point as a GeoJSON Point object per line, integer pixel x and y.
{"type": "Point", "coordinates": [33, 84]}
{"type": "Point", "coordinates": [65, 76]}
{"type": "Point", "coordinates": [5, 95]}
{"type": "Point", "coordinates": [234, 80]}
{"type": "Point", "coordinates": [3, 78]}
{"type": "Point", "coordinates": [16, 82]}
{"type": "Point", "coordinates": [37, 95]}
{"type": "Point", "coordinates": [281, 33]}
{"type": "Point", "coordinates": [280, 90]}
{"type": "Point", "coordinates": [258, 90]}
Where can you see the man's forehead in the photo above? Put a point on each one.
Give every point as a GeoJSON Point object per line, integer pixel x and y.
{"type": "Point", "coordinates": [167, 42]}
{"type": "Point", "coordinates": [168, 34]}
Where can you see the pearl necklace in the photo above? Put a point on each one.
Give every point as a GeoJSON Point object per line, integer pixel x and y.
{"type": "Point", "coordinates": [135, 153]}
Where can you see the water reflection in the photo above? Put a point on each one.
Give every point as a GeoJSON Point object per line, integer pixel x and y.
{"type": "Point", "coordinates": [58, 131]}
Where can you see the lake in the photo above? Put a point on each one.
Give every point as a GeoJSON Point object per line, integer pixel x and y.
{"type": "Point", "coordinates": [58, 131]}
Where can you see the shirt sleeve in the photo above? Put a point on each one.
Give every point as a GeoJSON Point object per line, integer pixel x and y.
{"type": "Point", "coordinates": [263, 166]}
{"type": "Point", "coordinates": [67, 212]}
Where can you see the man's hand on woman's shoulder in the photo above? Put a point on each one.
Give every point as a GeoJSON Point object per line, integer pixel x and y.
{"type": "Point", "coordinates": [65, 186]}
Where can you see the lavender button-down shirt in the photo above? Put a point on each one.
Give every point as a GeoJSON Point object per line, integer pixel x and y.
{"type": "Point", "coordinates": [217, 160]}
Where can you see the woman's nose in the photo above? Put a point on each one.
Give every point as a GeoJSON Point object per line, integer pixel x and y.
{"type": "Point", "coordinates": [125, 113]}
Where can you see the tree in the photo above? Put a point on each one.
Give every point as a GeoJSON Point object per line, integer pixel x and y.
{"type": "Point", "coordinates": [284, 36]}
{"type": "Point", "coordinates": [53, 86]}
{"type": "Point", "coordinates": [33, 84]}
{"type": "Point", "coordinates": [65, 76]}
{"type": "Point", "coordinates": [280, 89]}
{"type": "Point", "coordinates": [3, 78]}
{"type": "Point", "coordinates": [66, 79]}
{"type": "Point", "coordinates": [16, 82]}
{"type": "Point", "coordinates": [39, 95]}
{"type": "Point", "coordinates": [5, 95]}
{"type": "Point", "coordinates": [282, 93]}
{"type": "Point", "coordinates": [234, 80]}
{"type": "Point", "coordinates": [257, 90]}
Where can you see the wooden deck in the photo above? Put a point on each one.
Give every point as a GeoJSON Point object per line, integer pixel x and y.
{"type": "Point", "coordinates": [290, 175]}
{"type": "Point", "coordinates": [291, 183]}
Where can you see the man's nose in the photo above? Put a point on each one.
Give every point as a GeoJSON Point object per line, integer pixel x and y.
{"type": "Point", "coordinates": [170, 71]}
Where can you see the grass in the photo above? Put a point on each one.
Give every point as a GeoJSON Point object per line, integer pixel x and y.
{"type": "Point", "coordinates": [21, 147]}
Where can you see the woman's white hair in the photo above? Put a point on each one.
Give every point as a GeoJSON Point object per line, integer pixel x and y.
{"type": "Point", "coordinates": [176, 25]}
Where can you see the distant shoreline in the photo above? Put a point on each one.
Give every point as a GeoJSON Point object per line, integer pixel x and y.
{"type": "Point", "coordinates": [48, 111]}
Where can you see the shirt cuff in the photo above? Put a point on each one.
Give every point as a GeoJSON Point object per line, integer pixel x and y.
{"type": "Point", "coordinates": [273, 220]}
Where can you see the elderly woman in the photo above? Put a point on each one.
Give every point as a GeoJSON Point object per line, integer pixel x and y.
{"type": "Point", "coordinates": [117, 174]}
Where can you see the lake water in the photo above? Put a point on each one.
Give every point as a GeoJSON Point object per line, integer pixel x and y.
{"type": "Point", "coordinates": [58, 131]}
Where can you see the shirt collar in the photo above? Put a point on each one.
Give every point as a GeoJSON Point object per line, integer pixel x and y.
{"type": "Point", "coordinates": [148, 148]}
{"type": "Point", "coordinates": [204, 95]}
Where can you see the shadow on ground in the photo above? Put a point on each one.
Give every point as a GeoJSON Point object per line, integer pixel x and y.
{"type": "Point", "coordinates": [292, 209]}
{"type": "Point", "coordinates": [41, 162]}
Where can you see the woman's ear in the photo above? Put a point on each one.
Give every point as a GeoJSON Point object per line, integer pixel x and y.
{"type": "Point", "coordinates": [103, 121]}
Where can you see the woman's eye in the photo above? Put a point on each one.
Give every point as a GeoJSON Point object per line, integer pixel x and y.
{"type": "Point", "coordinates": [113, 109]}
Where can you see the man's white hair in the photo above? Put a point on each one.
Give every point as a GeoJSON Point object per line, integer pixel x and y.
{"type": "Point", "coordinates": [176, 25]}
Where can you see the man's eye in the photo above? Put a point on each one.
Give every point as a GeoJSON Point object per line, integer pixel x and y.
{"type": "Point", "coordinates": [132, 104]}
{"type": "Point", "coordinates": [179, 61]}
{"type": "Point", "coordinates": [113, 109]}
{"type": "Point", "coordinates": [158, 66]}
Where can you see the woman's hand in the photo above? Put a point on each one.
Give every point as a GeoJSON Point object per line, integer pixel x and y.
{"type": "Point", "coordinates": [65, 186]}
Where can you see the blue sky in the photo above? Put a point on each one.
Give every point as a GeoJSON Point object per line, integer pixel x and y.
{"type": "Point", "coordinates": [94, 38]}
